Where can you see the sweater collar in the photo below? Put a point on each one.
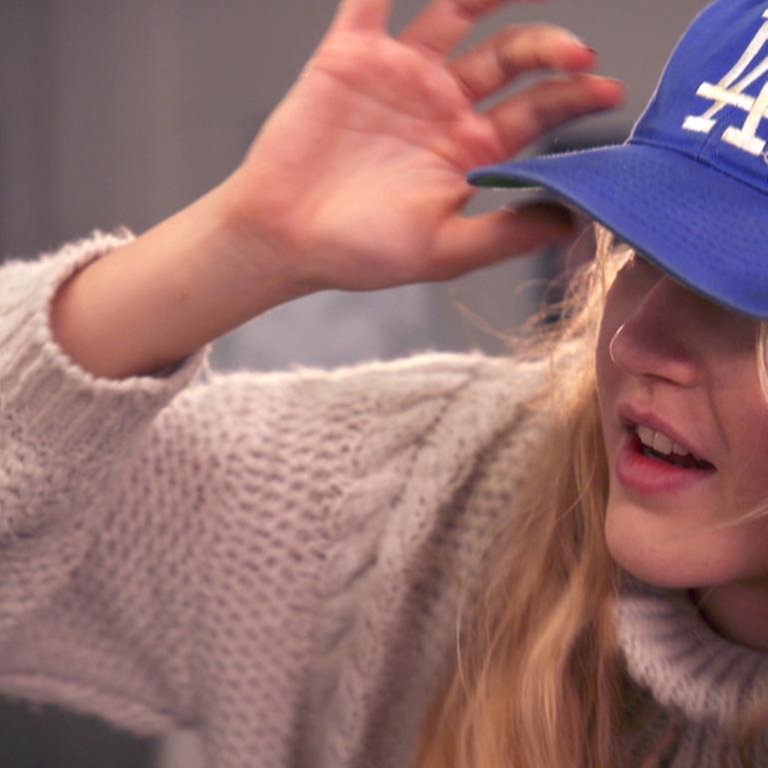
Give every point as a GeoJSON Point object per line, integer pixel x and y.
{"type": "Point", "coordinates": [670, 649]}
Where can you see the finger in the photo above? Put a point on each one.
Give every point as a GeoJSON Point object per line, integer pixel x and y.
{"type": "Point", "coordinates": [516, 50]}
{"type": "Point", "coordinates": [525, 117]}
{"type": "Point", "coordinates": [362, 15]}
{"type": "Point", "coordinates": [465, 244]}
{"type": "Point", "coordinates": [443, 24]}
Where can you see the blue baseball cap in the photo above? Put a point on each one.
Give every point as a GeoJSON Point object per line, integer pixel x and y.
{"type": "Point", "coordinates": [689, 187]}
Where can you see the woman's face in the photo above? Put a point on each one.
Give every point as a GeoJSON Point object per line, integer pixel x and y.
{"type": "Point", "coordinates": [676, 368]}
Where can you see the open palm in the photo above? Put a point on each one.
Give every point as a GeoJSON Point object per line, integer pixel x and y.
{"type": "Point", "coordinates": [359, 175]}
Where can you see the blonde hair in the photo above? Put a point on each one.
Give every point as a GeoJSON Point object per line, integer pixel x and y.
{"type": "Point", "coordinates": [537, 679]}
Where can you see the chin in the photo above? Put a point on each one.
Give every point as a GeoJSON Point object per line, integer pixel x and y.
{"type": "Point", "coordinates": [651, 575]}
{"type": "Point", "coordinates": [640, 551]}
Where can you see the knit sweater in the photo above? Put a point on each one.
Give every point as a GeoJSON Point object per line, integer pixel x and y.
{"type": "Point", "coordinates": [274, 560]}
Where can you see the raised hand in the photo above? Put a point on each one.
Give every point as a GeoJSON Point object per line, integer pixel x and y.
{"type": "Point", "coordinates": [357, 180]}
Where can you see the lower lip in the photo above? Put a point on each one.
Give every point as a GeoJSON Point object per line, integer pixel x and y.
{"type": "Point", "coordinates": [645, 474]}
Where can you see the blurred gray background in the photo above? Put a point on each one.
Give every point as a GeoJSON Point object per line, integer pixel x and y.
{"type": "Point", "coordinates": [117, 113]}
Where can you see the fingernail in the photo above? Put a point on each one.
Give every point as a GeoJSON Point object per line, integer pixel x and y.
{"type": "Point", "coordinates": [618, 82]}
{"type": "Point", "coordinates": [581, 42]}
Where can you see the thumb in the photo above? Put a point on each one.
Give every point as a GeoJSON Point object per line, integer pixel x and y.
{"type": "Point", "coordinates": [470, 243]}
{"type": "Point", "coordinates": [362, 15]}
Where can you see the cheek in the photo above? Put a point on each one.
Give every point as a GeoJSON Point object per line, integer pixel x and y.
{"type": "Point", "coordinates": [748, 458]}
{"type": "Point", "coordinates": [739, 410]}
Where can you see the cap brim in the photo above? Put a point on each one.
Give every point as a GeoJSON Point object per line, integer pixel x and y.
{"type": "Point", "coordinates": [703, 227]}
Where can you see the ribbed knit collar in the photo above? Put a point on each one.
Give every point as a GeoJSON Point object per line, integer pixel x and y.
{"type": "Point", "coordinates": [671, 650]}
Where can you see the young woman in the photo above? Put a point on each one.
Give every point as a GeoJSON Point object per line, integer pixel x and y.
{"type": "Point", "coordinates": [445, 561]}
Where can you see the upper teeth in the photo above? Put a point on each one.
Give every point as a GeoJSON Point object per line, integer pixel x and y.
{"type": "Point", "coordinates": [659, 441]}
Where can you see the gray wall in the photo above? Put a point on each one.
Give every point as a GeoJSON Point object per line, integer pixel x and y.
{"type": "Point", "coordinates": [121, 113]}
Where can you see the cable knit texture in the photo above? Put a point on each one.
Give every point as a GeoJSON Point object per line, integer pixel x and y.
{"type": "Point", "coordinates": [275, 560]}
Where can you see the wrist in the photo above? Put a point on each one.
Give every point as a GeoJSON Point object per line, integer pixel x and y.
{"type": "Point", "coordinates": [268, 235]}
{"type": "Point", "coordinates": [155, 301]}
{"type": "Point", "coordinates": [256, 265]}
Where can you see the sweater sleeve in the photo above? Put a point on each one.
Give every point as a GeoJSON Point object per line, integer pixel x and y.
{"type": "Point", "coordinates": [68, 439]}
{"type": "Point", "coordinates": [182, 551]}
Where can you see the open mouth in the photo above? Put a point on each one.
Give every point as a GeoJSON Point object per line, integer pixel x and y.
{"type": "Point", "coordinates": [652, 464]}
{"type": "Point", "coordinates": [671, 458]}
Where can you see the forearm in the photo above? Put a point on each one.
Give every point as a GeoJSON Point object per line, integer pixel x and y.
{"type": "Point", "coordinates": [182, 284]}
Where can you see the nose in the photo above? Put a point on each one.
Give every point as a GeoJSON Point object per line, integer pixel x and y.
{"type": "Point", "coordinates": [657, 338]}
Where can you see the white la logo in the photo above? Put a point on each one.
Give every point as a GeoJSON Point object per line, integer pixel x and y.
{"type": "Point", "coordinates": [730, 92]}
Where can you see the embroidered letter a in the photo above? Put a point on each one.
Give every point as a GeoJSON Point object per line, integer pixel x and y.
{"type": "Point", "coordinates": [730, 91]}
